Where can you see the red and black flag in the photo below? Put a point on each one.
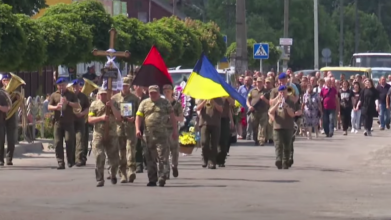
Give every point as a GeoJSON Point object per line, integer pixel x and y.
{"type": "Point", "coordinates": [153, 71]}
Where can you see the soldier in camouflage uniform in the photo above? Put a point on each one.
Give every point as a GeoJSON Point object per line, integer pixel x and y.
{"type": "Point", "coordinates": [269, 85]}
{"type": "Point", "coordinates": [156, 112]}
{"type": "Point", "coordinates": [282, 112]}
{"type": "Point", "coordinates": [127, 134]}
{"type": "Point", "coordinates": [174, 145]}
{"type": "Point", "coordinates": [97, 116]}
{"type": "Point", "coordinates": [258, 104]}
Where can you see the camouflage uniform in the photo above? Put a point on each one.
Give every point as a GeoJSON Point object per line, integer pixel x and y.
{"type": "Point", "coordinates": [127, 138]}
{"type": "Point", "coordinates": [269, 126]}
{"type": "Point", "coordinates": [174, 144]}
{"type": "Point", "coordinates": [156, 115]}
{"type": "Point", "coordinates": [110, 147]}
{"type": "Point", "coordinates": [260, 118]}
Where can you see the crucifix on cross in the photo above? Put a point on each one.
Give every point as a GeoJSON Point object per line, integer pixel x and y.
{"type": "Point", "coordinates": [111, 70]}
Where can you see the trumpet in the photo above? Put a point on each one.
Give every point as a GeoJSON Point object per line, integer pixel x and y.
{"type": "Point", "coordinates": [208, 103]}
{"type": "Point", "coordinates": [282, 104]}
{"type": "Point", "coordinates": [61, 101]}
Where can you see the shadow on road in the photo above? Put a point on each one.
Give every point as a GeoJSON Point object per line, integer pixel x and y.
{"type": "Point", "coordinates": [245, 180]}
{"type": "Point", "coordinates": [320, 169]}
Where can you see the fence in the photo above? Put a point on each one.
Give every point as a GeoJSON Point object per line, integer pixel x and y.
{"type": "Point", "coordinates": [34, 119]}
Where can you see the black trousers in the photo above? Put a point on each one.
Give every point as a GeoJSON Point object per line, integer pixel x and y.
{"type": "Point", "coordinates": [210, 137]}
{"type": "Point", "coordinates": [225, 140]}
{"type": "Point", "coordinates": [345, 118]}
{"type": "Point", "coordinates": [368, 121]}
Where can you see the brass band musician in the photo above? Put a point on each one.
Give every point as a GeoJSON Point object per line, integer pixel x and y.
{"type": "Point", "coordinates": [5, 105]}
{"type": "Point", "coordinates": [62, 102]}
{"type": "Point", "coordinates": [11, 120]}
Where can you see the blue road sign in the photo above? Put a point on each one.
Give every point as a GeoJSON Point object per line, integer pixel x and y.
{"type": "Point", "coordinates": [261, 51]}
{"type": "Point", "coordinates": [225, 37]}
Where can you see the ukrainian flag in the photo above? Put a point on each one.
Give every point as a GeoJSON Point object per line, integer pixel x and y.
{"type": "Point", "coordinates": [205, 83]}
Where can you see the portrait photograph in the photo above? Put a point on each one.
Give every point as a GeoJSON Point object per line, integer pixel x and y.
{"type": "Point", "coordinates": [126, 109]}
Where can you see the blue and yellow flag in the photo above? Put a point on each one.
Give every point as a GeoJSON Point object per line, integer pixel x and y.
{"type": "Point", "coordinates": [206, 83]}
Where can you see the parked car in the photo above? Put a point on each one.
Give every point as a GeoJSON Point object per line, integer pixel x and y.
{"type": "Point", "coordinates": [307, 72]}
{"type": "Point", "coordinates": [378, 72]}
{"type": "Point", "coordinates": [347, 71]}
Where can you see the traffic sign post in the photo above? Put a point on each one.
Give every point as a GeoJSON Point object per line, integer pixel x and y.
{"type": "Point", "coordinates": [326, 56]}
{"type": "Point", "coordinates": [261, 52]}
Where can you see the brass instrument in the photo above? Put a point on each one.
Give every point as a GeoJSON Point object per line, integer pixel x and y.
{"type": "Point", "coordinates": [70, 89]}
{"type": "Point", "coordinates": [291, 91]}
{"type": "Point", "coordinates": [18, 98]}
{"type": "Point", "coordinates": [88, 87]}
{"type": "Point", "coordinates": [61, 101]}
{"type": "Point", "coordinates": [209, 104]}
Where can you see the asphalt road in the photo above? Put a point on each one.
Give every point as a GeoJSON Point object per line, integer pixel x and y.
{"type": "Point", "coordinates": [337, 178]}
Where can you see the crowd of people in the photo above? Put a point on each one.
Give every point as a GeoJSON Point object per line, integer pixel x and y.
{"type": "Point", "coordinates": [328, 104]}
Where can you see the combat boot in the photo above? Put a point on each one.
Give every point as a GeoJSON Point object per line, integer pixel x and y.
{"type": "Point", "coordinates": [162, 182]}
{"type": "Point", "coordinates": [100, 184]}
{"type": "Point", "coordinates": [132, 177]}
{"type": "Point", "coordinates": [279, 164]}
{"type": "Point", "coordinates": [175, 172]}
{"type": "Point", "coordinates": [61, 166]}
{"type": "Point", "coordinates": [151, 184]}
{"type": "Point", "coordinates": [113, 180]}
{"type": "Point", "coordinates": [123, 179]}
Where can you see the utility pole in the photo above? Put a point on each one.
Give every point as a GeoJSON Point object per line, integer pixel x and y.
{"type": "Point", "coordinates": [174, 7]}
{"type": "Point", "coordinates": [286, 29]}
{"type": "Point", "coordinates": [356, 35]}
{"type": "Point", "coordinates": [316, 36]}
{"type": "Point", "coordinates": [241, 60]}
{"type": "Point", "coordinates": [341, 18]}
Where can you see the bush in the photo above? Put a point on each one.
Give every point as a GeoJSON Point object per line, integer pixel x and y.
{"type": "Point", "coordinates": [47, 126]}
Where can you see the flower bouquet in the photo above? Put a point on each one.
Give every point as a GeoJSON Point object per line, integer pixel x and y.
{"type": "Point", "coordinates": [187, 142]}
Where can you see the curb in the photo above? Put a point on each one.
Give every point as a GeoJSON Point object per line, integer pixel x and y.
{"type": "Point", "coordinates": [23, 148]}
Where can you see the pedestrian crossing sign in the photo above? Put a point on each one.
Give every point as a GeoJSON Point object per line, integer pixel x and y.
{"type": "Point", "coordinates": [261, 51]}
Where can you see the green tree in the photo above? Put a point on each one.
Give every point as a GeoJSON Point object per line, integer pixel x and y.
{"type": "Point", "coordinates": [58, 40]}
{"type": "Point", "coordinates": [373, 36]}
{"type": "Point", "coordinates": [191, 44]}
{"type": "Point", "coordinates": [172, 57]}
{"type": "Point", "coordinates": [80, 37]}
{"type": "Point", "coordinates": [140, 38]}
{"type": "Point", "coordinates": [13, 41]}
{"type": "Point", "coordinates": [91, 13]}
{"type": "Point", "coordinates": [211, 39]}
{"type": "Point", "coordinates": [28, 7]}
{"type": "Point", "coordinates": [35, 55]}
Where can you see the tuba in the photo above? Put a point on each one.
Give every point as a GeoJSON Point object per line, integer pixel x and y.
{"type": "Point", "coordinates": [70, 89]}
{"type": "Point", "coordinates": [88, 87]}
{"type": "Point", "coordinates": [18, 98]}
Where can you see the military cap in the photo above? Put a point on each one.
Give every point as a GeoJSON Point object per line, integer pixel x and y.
{"type": "Point", "coordinates": [259, 79]}
{"type": "Point", "coordinates": [269, 79]}
{"type": "Point", "coordinates": [281, 88]}
{"type": "Point", "coordinates": [62, 80]}
{"type": "Point", "coordinates": [153, 88]}
{"type": "Point", "coordinates": [102, 91]}
{"type": "Point", "coordinates": [5, 76]}
{"type": "Point", "coordinates": [126, 81]}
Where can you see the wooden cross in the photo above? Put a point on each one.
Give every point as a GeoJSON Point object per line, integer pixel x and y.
{"type": "Point", "coordinates": [110, 72]}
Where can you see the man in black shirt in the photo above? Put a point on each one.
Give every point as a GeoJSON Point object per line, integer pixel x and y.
{"type": "Point", "coordinates": [381, 107]}
{"type": "Point", "coordinates": [90, 75]}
